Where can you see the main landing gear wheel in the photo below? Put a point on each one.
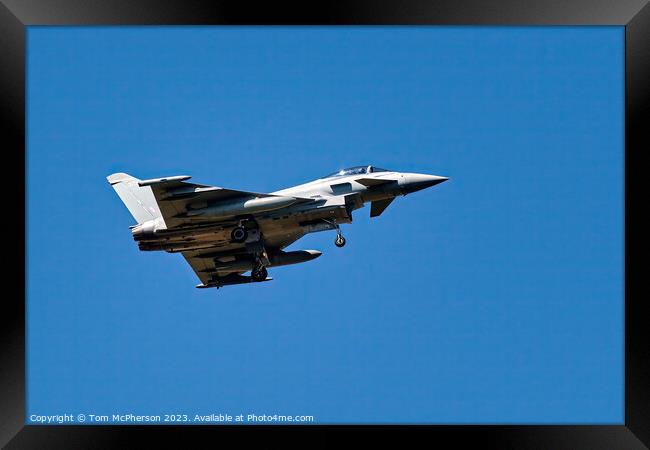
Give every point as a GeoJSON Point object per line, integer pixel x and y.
{"type": "Point", "coordinates": [259, 274]}
{"type": "Point", "coordinates": [239, 234]}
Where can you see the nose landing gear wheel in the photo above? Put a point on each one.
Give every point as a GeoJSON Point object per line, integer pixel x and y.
{"type": "Point", "coordinates": [259, 274]}
{"type": "Point", "coordinates": [339, 241]}
{"type": "Point", "coordinates": [239, 234]}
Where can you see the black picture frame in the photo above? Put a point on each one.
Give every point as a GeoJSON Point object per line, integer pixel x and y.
{"type": "Point", "coordinates": [634, 15]}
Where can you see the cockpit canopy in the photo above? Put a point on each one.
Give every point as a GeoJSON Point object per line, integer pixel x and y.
{"type": "Point", "coordinates": [356, 170]}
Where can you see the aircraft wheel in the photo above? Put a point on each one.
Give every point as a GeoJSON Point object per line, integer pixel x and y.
{"type": "Point", "coordinates": [339, 241]}
{"type": "Point", "coordinates": [259, 274]}
{"type": "Point", "coordinates": [239, 234]}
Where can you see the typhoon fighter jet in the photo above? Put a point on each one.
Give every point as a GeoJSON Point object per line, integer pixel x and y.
{"type": "Point", "coordinates": [225, 233]}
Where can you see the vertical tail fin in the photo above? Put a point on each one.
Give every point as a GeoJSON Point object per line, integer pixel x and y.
{"type": "Point", "coordinates": [139, 200]}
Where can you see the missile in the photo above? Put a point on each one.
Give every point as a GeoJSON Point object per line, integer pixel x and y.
{"type": "Point", "coordinates": [154, 181]}
{"type": "Point", "coordinates": [173, 247]}
{"type": "Point", "coordinates": [276, 259]}
{"type": "Point", "coordinates": [242, 206]}
{"type": "Point", "coordinates": [295, 257]}
{"type": "Point", "coordinates": [147, 229]}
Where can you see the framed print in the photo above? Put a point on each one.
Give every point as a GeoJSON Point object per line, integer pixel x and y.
{"type": "Point", "coordinates": [418, 218]}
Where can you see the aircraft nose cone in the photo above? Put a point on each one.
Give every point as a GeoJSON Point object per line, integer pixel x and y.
{"type": "Point", "coordinates": [417, 181]}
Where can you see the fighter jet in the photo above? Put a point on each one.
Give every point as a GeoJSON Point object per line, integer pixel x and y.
{"type": "Point", "coordinates": [225, 233]}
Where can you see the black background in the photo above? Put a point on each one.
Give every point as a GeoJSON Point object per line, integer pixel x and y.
{"type": "Point", "coordinates": [15, 15]}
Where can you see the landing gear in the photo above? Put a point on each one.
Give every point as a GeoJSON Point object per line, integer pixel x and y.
{"type": "Point", "coordinates": [340, 240]}
{"type": "Point", "coordinates": [259, 273]}
{"type": "Point", "coordinates": [239, 234]}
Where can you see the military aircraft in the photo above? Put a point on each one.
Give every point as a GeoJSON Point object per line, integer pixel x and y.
{"type": "Point", "coordinates": [224, 233]}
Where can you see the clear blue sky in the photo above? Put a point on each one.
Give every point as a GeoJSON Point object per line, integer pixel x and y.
{"type": "Point", "coordinates": [496, 297]}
